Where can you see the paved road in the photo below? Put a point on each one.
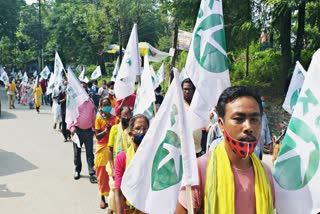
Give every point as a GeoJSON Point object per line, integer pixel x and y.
{"type": "Point", "coordinates": [36, 167]}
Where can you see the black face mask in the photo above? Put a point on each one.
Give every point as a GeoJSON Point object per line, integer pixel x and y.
{"type": "Point", "coordinates": [137, 139]}
{"type": "Point", "coordinates": [125, 122]}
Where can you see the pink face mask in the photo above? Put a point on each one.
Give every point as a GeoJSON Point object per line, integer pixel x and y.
{"type": "Point", "coordinates": [242, 149]}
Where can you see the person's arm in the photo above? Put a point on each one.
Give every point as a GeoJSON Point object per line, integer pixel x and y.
{"type": "Point", "coordinates": [120, 165]}
{"type": "Point", "coordinates": [119, 200]}
{"type": "Point", "coordinates": [180, 209]}
{"type": "Point", "coordinates": [110, 157]}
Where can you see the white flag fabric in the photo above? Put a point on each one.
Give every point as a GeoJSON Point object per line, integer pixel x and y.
{"type": "Point", "coordinates": [296, 83]}
{"type": "Point", "coordinates": [96, 73]}
{"type": "Point", "coordinates": [206, 63]}
{"type": "Point", "coordinates": [183, 74]}
{"type": "Point", "coordinates": [81, 76]}
{"type": "Point", "coordinates": [4, 77]}
{"type": "Point", "coordinates": [36, 81]}
{"type": "Point", "coordinates": [57, 72]}
{"type": "Point", "coordinates": [160, 74]}
{"type": "Point", "coordinates": [86, 79]}
{"type": "Point", "coordinates": [115, 71]}
{"type": "Point", "coordinates": [165, 159]}
{"type": "Point", "coordinates": [154, 78]}
{"type": "Point", "coordinates": [45, 73]}
{"type": "Point", "coordinates": [50, 85]}
{"type": "Point", "coordinates": [25, 79]}
{"type": "Point", "coordinates": [1, 70]}
{"type": "Point", "coordinates": [145, 93]}
{"type": "Point", "coordinates": [296, 171]}
{"type": "Point", "coordinates": [35, 73]}
{"type": "Point", "coordinates": [76, 96]}
{"type": "Point", "coordinates": [20, 75]}
{"type": "Point", "coordinates": [76, 140]}
{"type": "Point", "coordinates": [129, 68]}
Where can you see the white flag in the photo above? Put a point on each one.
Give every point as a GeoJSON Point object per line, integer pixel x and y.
{"type": "Point", "coordinates": [160, 74]}
{"type": "Point", "coordinates": [35, 73]}
{"type": "Point", "coordinates": [183, 74]}
{"type": "Point", "coordinates": [145, 94]}
{"type": "Point", "coordinates": [81, 76]}
{"type": "Point", "coordinates": [165, 159]}
{"type": "Point", "coordinates": [1, 70]}
{"type": "Point", "coordinates": [76, 96]}
{"type": "Point", "coordinates": [96, 73]}
{"type": "Point", "coordinates": [154, 78]}
{"type": "Point", "coordinates": [115, 71]}
{"type": "Point", "coordinates": [20, 75]}
{"type": "Point", "coordinates": [296, 171]}
{"type": "Point", "coordinates": [4, 77]}
{"type": "Point", "coordinates": [207, 64]}
{"type": "Point", "coordinates": [45, 73]}
{"type": "Point", "coordinates": [50, 86]}
{"type": "Point", "coordinates": [296, 83]}
{"type": "Point", "coordinates": [25, 79]}
{"type": "Point", "coordinates": [130, 66]}
{"type": "Point", "coordinates": [57, 73]}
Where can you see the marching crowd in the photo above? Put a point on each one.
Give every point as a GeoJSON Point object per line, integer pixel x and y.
{"type": "Point", "coordinates": [238, 129]}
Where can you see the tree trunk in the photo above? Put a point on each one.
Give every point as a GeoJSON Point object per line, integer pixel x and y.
{"type": "Point", "coordinates": [300, 31]}
{"type": "Point", "coordinates": [247, 58]}
{"type": "Point", "coordinates": [174, 46]}
{"type": "Point", "coordinates": [285, 30]}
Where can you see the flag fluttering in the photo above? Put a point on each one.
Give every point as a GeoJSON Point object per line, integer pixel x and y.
{"type": "Point", "coordinates": [45, 73]}
{"type": "Point", "coordinates": [81, 76]}
{"type": "Point", "coordinates": [296, 171]}
{"type": "Point", "coordinates": [145, 93]}
{"type": "Point", "coordinates": [4, 77]}
{"type": "Point", "coordinates": [96, 73]}
{"type": "Point", "coordinates": [160, 74]}
{"type": "Point", "coordinates": [76, 96]}
{"type": "Point", "coordinates": [206, 63]}
{"type": "Point", "coordinates": [129, 68]}
{"type": "Point", "coordinates": [165, 159]}
{"type": "Point", "coordinates": [25, 79]}
{"type": "Point", "coordinates": [296, 83]}
{"type": "Point", "coordinates": [115, 71]}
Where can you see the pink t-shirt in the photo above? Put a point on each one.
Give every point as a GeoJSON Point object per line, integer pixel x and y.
{"type": "Point", "coordinates": [86, 118]}
{"type": "Point", "coordinates": [119, 168]}
{"type": "Point", "coordinates": [244, 188]}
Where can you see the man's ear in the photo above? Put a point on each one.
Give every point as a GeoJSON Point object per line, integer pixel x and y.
{"type": "Point", "coordinates": [221, 124]}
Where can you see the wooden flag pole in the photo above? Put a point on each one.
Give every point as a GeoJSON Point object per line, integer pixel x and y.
{"type": "Point", "coordinates": [189, 199]}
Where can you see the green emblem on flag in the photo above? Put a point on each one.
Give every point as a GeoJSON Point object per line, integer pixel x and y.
{"type": "Point", "coordinates": [167, 165]}
{"type": "Point", "coordinates": [129, 62]}
{"type": "Point", "coordinates": [298, 159]}
{"type": "Point", "coordinates": [209, 43]}
{"type": "Point", "coordinates": [294, 98]}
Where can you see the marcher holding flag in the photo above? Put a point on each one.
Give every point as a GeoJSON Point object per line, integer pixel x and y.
{"type": "Point", "coordinates": [165, 159]}
{"type": "Point", "coordinates": [138, 126]}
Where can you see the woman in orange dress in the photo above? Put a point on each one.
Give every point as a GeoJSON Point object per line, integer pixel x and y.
{"type": "Point", "coordinates": [104, 120]}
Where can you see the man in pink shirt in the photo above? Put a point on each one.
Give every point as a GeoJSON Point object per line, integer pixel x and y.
{"type": "Point", "coordinates": [83, 126]}
{"type": "Point", "coordinates": [250, 185]}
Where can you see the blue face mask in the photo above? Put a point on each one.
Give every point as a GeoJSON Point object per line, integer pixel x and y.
{"type": "Point", "coordinates": [137, 139]}
{"type": "Point", "coordinates": [106, 109]}
{"type": "Point", "coordinates": [264, 104]}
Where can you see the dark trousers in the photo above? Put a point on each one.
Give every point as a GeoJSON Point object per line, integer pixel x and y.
{"type": "Point", "coordinates": [65, 132]}
{"type": "Point", "coordinates": [86, 138]}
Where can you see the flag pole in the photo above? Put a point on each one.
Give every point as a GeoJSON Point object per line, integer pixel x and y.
{"type": "Point", "coordinates": [189, 199]}
{"type": "Point", "coordinates": [154, 108]}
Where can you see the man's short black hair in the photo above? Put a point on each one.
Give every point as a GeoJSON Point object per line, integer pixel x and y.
{"type": "Point", "coordinates": [187, 80]}
{"type": "Point", "coordinates": [235, 92]}
{"type": "Point", "coordinates": [110, 83]}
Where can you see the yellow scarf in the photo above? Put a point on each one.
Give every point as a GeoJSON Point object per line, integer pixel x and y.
{"type": "Point", "coordinates": [219, 187]}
